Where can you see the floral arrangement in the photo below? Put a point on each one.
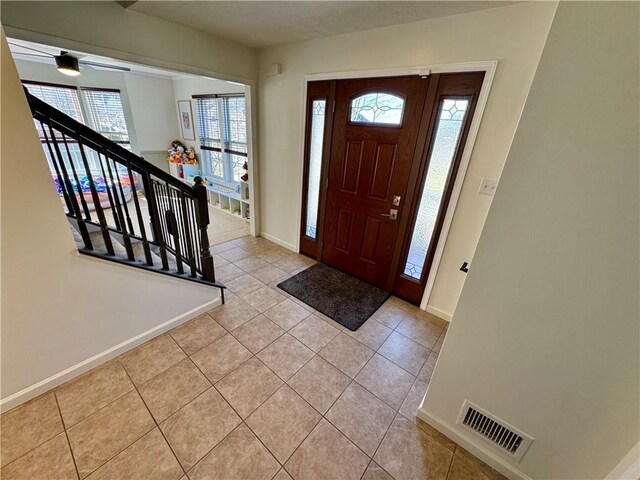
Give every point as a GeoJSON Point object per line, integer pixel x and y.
{"type": "Point", "coordinates": [180, 153]}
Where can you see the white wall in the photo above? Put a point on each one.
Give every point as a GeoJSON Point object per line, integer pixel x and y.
{"type": "Point", "coordinates": [44, 72]}
{"type": "Point", "coordinates": [147, 101]}
{"type": "Point", "coordinates": [150, 103]}
{"type": "Point", "coordinates": [513, 35]}
{"type": "Point", "coordinates": [546, 335]}
{"type": "Point", "coordinates": [105, 28]}
{"type": "Point", "coordinates": [153, 110]}
{"type": "Point", "coordinates": [60, 308]}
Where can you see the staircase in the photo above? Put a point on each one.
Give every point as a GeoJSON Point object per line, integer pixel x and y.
{"type": "Point", "coordinates": [122, 208]}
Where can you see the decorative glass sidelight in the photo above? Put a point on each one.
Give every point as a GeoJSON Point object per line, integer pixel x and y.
{"type": "Point", "coordinates": [378, 107]}
{"type": "Point", "coordinates": [318, 109]}
{"type": "Point", "coordinates": [449, 128]}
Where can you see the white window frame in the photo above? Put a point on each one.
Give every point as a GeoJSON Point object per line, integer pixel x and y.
{"type": "Point", "coordinates": [90, 121]}
{"type": "Point", "coordinates": [227, 161]}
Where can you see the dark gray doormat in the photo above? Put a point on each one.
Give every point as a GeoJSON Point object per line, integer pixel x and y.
{"type": "Point", "coordinates": [346, 299]}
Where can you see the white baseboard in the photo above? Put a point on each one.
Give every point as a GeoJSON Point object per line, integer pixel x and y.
{"type": "Point", "coordinates": [282, 243]}
{"type": "Point", "coordinates": [487, 456]}
{"type": "Point", "coordinates": [439, 313]}
{"type": "Point", "coordinates": [59, 378]}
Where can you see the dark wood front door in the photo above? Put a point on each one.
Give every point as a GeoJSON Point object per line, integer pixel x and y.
{"type": "Point", "coordinates": [375, 128]}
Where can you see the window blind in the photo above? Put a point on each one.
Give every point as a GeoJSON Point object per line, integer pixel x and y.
{"type": "Point", "coordinates": [234, 115]}
{"type": "Point", "coordinates": [210, 135]}
{"type": "Point", "coordinates": [61, 97]}
{"type": "Point", "coordinates": [222, 132]}
{"type": "Point", "coordinates": [107, 115]}
{"type": "Point", "coordinates": [208, 117]}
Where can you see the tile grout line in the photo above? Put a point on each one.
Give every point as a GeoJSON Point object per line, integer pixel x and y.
{"type": "Point", "coordinates": [225, 437]}
{"type": "Point", "coordinates": [396, 411]}
{"type": "Point", "coordinates": [165, 334]}
{"type": "Point", "coordinates": [119, 451]}
{"type": "Point", "coordinates": [65, 428]}
{"type": "Point", "coordinates": [157, 425]}
{"type": "Point", "coordinates": [323, 417]}
{"type": "Point", "coordinates": [242, 420]}
{"type": "Point", "coordinates": [453, 454]}
{"type": "Point", "coordinates": [40, 444]}
{"type": "Point", "coordinates": [183, 351]}
{"type": "Point", "coordinates": [353, 379]}
{"type": "Point", "coordinates": [365, 470]}
{"type": "Point", "coordinates": [66, 434]}
{"type": "Point", "coordinates": [285, 382]}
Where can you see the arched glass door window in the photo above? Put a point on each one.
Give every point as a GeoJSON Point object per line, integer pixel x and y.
{"type": "Point", "coordinates": [377, 107]}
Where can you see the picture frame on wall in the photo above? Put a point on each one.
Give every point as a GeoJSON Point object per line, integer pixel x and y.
{"type": "Point", "coordinates": [186, 120]}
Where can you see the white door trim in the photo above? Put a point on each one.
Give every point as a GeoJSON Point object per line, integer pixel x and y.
{"type": "Point", "coordinates": [489, 67]}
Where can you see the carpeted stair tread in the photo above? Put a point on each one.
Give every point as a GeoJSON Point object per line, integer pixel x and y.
{"type": "Point", "coordinates": [97, 241]}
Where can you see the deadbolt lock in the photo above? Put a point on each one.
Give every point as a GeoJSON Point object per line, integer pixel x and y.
{"type": "Point", "coordinates": [396, 200]}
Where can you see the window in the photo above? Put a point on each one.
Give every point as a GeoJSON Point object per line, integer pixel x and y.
{"type": "Point", "coordinates": [103, 111]}
{"type": "Point", "coordinates": [445, 145]}
{"type": "Point", "coordinates": [60, 97]}
{"type": "Point", "coordinates": [106, 114]}
{"type": "Point", "coordinates": [222, 132]}
{"type": "Point", "coordinates": [316, 142]}
{"type": "Point", "coordinates": [381, 108]}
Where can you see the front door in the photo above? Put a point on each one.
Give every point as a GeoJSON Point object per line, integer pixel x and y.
{"type": "Point", "coordinates": [375, 128]}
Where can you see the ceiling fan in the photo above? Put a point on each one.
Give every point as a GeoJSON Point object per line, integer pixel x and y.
{"type": "Point", "coordinates": [68, 63]}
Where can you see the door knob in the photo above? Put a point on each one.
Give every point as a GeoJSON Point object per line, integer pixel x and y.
{"type": "Point", "coordinates": [393, 214]}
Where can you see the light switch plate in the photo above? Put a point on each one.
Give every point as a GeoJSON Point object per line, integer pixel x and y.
{"type": "Point", "coordinates": [488, 187]}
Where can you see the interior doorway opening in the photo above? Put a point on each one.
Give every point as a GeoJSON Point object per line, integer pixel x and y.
{"type": "Point", "coordinates": [187, 125]}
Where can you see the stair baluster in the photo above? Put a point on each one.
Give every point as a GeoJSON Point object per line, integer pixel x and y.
{"type": "Point", "coordinates": [178, 214]}
{"type": "Point", "coordinates": [102, 220]}
{"type": "Point", "coordinates": [136, 203]}
{"type": "Point", "coordinates": [77, 214]}
{"type": "Point", "coordinates": [202, 219]}
{"type": "Point", "coordinates": [85, 207]}
{"type": "Point", "coordinates": [154, 216]}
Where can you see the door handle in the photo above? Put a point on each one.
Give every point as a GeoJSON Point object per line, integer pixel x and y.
{"type": "Point", "coordinates": [393, 214]}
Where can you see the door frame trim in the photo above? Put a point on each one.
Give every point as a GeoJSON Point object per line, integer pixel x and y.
{"type": "Point", "coordinates": [489, 68]}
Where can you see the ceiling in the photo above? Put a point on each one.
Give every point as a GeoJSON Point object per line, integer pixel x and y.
{"type": "Point", "coordinates": [37, 52]}
{"type": "Point", "coordinates": [40, 53]}
{"type": "Point", "coordinates": [262, 24]}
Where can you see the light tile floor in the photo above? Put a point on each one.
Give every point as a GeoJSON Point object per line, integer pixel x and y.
{"type": "Point", "coordinates": [262, 387]}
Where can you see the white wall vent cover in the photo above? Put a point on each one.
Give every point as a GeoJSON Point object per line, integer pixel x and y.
{"type": "Point", "coordinates": [507, 439]}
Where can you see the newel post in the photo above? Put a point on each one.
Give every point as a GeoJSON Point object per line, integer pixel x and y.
{"type": "Point", "coordinates": [202, 220]}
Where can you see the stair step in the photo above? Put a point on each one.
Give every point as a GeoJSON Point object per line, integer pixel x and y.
{"type": "Point", "coordinates": [99, 247]}
{"type": "Point", "coordinates": [172, 199]}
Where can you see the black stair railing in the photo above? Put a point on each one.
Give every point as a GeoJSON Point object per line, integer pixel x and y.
{"type": "Point", "coordinates": [108, 189]}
